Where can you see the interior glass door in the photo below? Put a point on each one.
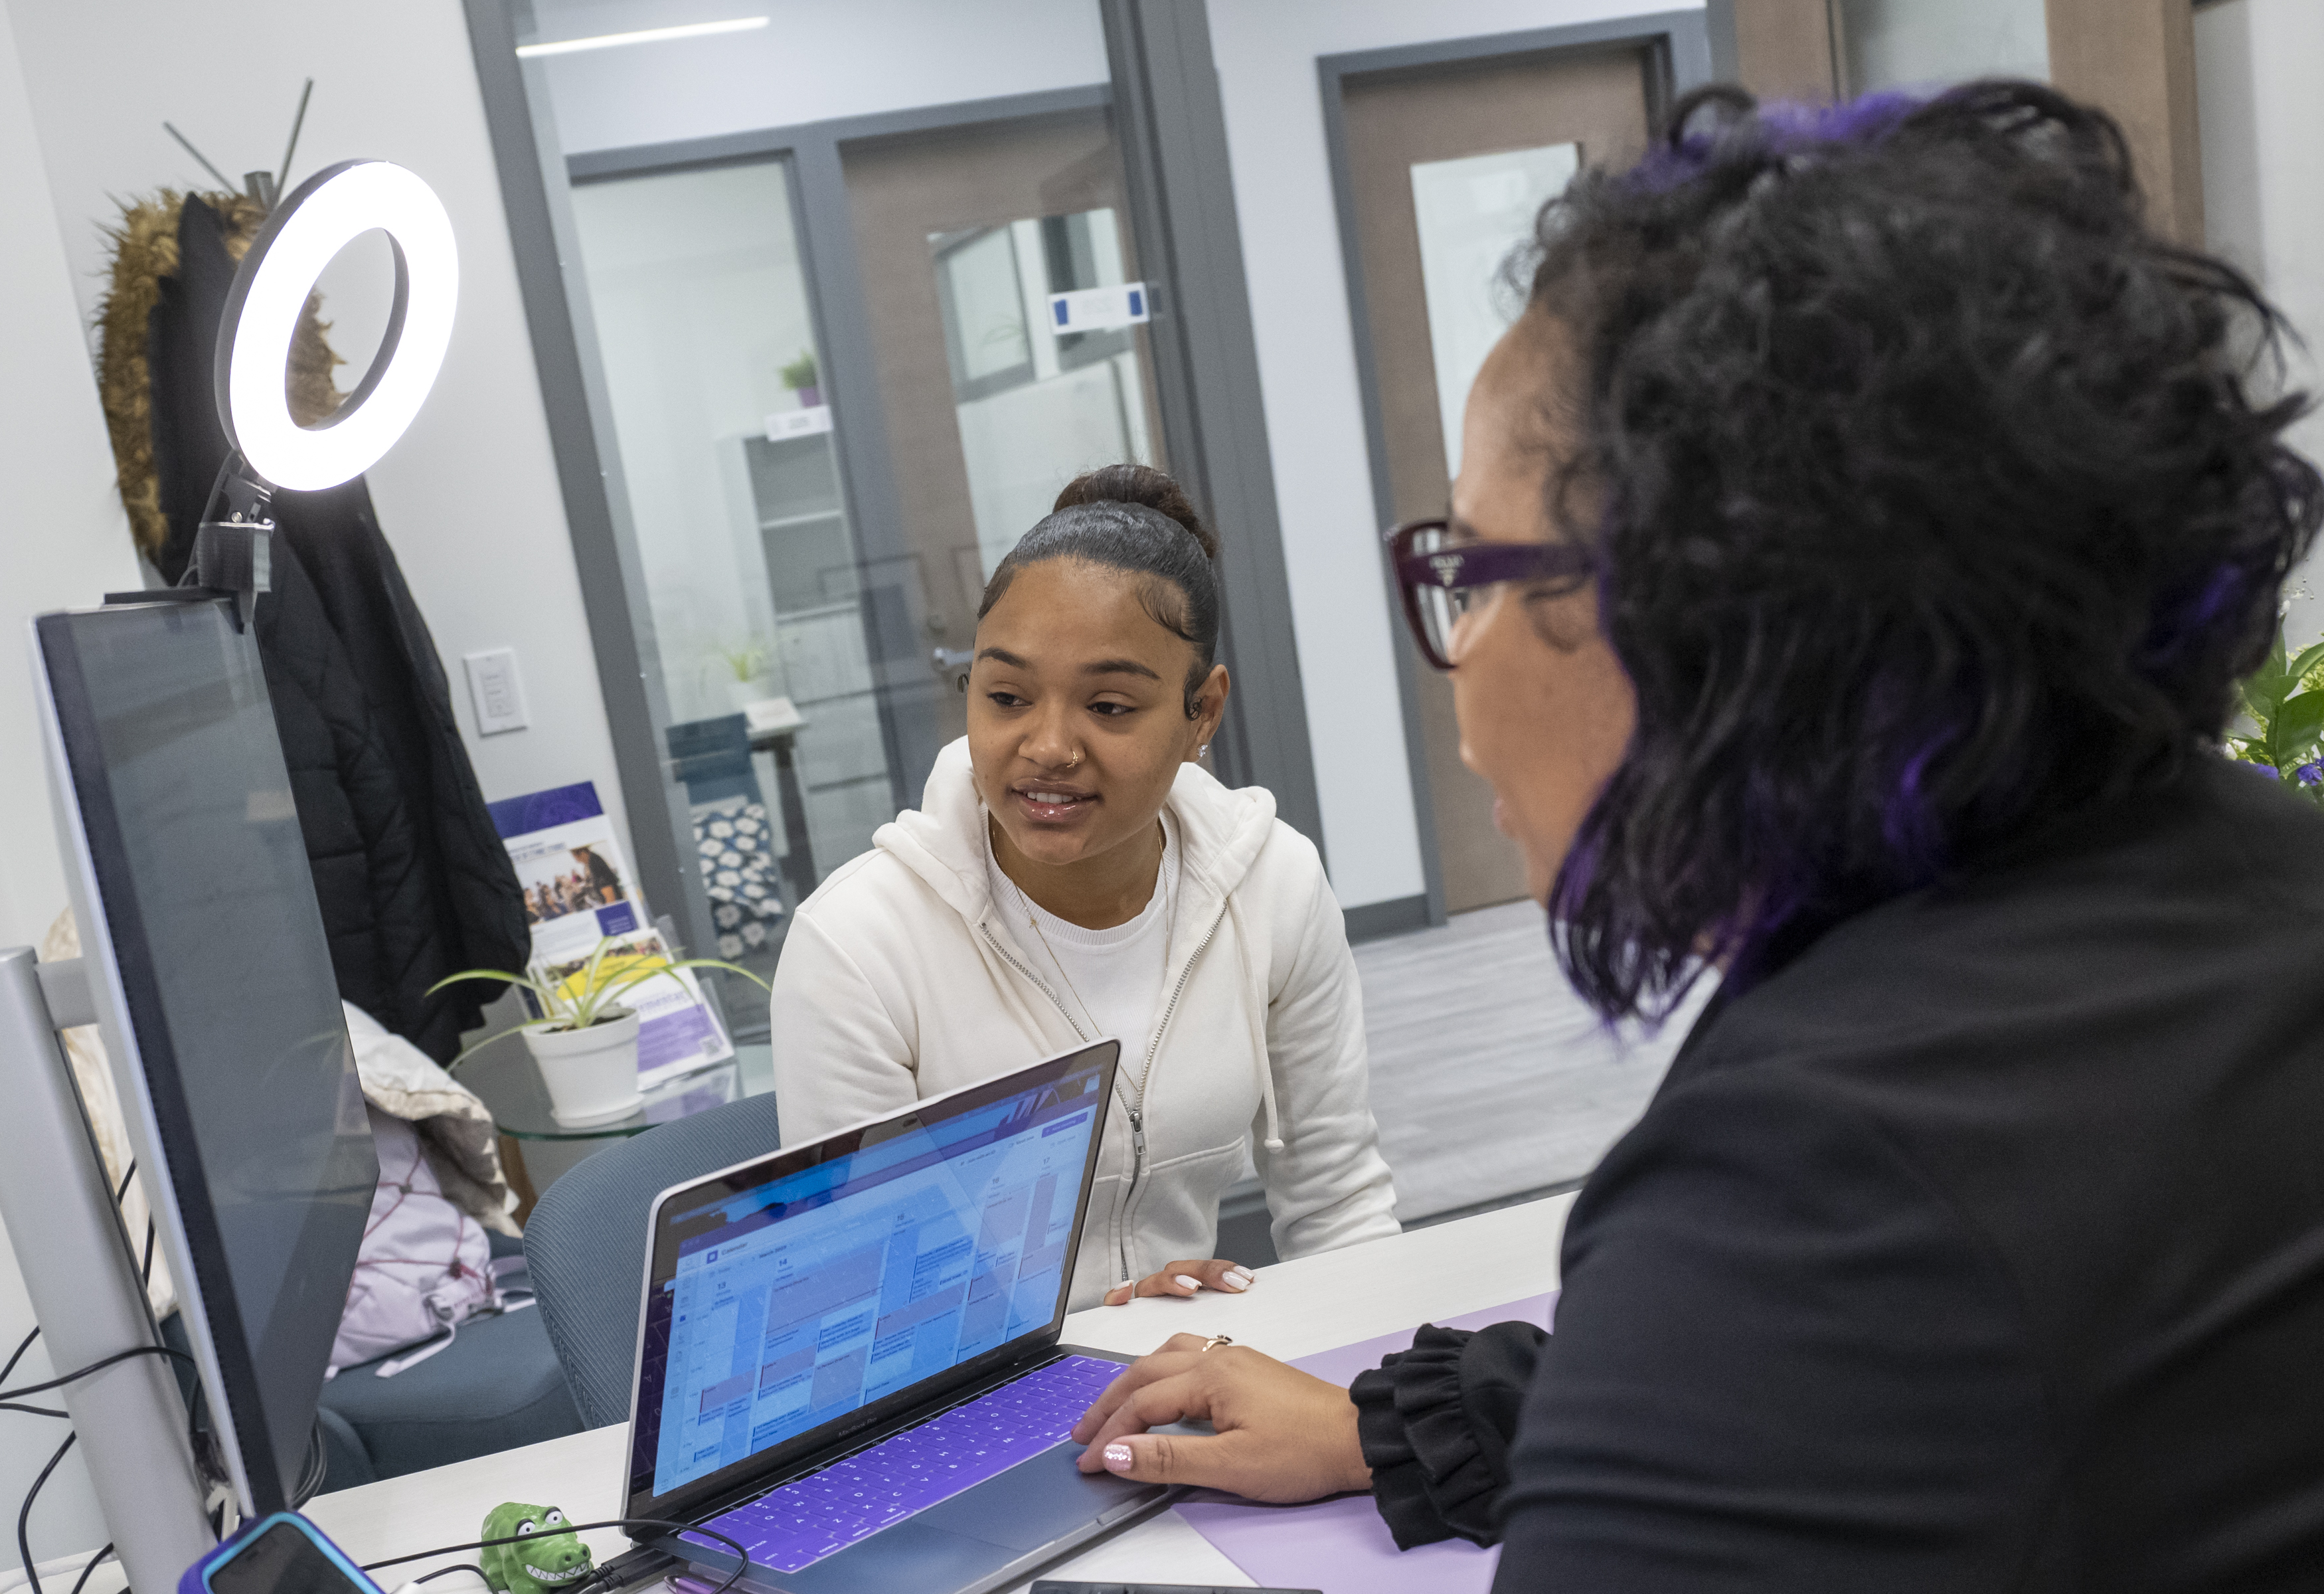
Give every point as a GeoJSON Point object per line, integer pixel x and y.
{"type": "Point", "coordinates": [745, 541]}
{"type": "Point", "coordinates": [1008, 322]}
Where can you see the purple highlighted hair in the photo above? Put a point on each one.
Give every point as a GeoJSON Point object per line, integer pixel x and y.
{"type": "Point", "coordinates": [1933, 499]}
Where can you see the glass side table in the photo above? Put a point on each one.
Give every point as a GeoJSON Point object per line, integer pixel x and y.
{"type": "Point", "coordinates": [536, 1149]}
{"type": "Point", "coordinates": [506, 1079]}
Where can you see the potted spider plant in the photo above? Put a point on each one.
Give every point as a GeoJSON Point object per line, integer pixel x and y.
{"type": "Point", "coordinates": [585, 1042]}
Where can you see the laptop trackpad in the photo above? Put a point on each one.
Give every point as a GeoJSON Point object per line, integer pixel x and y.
{"type": "Point", "coordinates": [1036, 1502]}
{"type": "Point", "coordinates": [977, 1532]}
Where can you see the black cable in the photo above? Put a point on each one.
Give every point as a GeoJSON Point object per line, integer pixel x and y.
{"type": "Point", "coordinates": [10, 1405]}
{"type": "Point", "coordinates": [127, 1174]}
{"type": "Point", "coordinates": [12, 1361]}
{"type": "Point", "coordinates": [149, 1250]}
{"type": "Point", "coordinates": [82, 1581]}
{"type": "Point", "coordinates": [25, 1515]}
{"type": "Point", "coordinates": [316, 1465]}
{"type": "Point", "coordinates": [743, 1554]}
{"type": "Point", "coordinates": [97, 1366]}
{"type": "Point", "coordinates": [441, 1572]}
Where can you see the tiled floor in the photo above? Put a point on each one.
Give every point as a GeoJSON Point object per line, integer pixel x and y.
{"type": "Point", "coordinates": [1488, 1076]}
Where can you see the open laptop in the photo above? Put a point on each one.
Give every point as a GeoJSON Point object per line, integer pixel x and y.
{"type": "Point", "coordinates": [848, 1357]}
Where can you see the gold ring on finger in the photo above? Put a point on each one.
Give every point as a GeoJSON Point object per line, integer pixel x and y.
{"type": "Point", "coordinates": [1218, 1339]}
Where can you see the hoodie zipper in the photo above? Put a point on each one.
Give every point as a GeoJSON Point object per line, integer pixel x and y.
{"type": "Point", "coordinates": [1153, 1050]}
{"type": "Point", "coordinates": [1040, 983]}
{"type": "Point", "coordinates": [1138, 1104]}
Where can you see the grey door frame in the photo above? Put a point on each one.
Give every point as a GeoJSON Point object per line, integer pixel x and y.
{"type": "Point", "coordinates": [1171, 131]}
{"type": "Point", "coordinates": [1680, 46]}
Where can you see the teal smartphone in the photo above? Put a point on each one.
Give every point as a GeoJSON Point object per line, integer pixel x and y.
{"type": "Point", "coordinates": [283, 1553]}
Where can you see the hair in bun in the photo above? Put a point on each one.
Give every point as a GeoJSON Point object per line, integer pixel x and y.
{"type": "Point", "coordinates": [1140, 484]}
{"type": "Point", "coordinates": [1139, 519]}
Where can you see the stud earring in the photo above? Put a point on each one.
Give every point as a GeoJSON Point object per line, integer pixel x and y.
{"type": "Point", "coordinates": [1203, 751]}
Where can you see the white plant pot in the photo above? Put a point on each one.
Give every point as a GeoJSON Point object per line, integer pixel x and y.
{"type": "Point", "coordinates": [592, 1074]}
{"type": "Point", "coordinates": [742, 694]}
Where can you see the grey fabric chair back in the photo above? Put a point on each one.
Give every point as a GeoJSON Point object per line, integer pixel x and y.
{"type": "Point", "coordinates": [585, 1243]}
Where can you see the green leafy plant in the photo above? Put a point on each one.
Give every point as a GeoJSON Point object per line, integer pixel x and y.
{"type": "Point", "coordinates": [2284, 702]}
{"type": "Point", "coordinates": [589, 994]}
{"type": "Point", "coordinates": [802, 372]}
{"type": "Point", "coordinates": [747, 662]}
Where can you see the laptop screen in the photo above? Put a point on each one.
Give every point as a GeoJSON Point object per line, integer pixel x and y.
{"type": "Point", "coordinates": [837, 1280]}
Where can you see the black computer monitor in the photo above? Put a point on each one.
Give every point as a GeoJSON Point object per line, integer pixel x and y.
{"type": "Point", "coordinates": [207, 955]}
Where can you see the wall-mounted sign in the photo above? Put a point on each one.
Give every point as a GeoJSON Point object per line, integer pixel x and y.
{"type": "Point", "coordinates": [1099, 309]}
{"type": "Point", "coordinates": [805, 422]}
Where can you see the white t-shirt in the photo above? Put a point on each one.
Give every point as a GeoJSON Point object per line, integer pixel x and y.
{"type": "Point", "coordinates": [1110, 980]}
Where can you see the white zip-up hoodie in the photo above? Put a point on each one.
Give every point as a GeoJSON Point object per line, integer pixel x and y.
{"type": "Point", "coordinates": [900, 981]}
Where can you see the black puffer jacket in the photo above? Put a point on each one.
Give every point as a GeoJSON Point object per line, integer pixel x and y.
{"type": "Point", "coordinates": [413, 881]}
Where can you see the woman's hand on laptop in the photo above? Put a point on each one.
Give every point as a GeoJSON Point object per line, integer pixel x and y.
{"type": "Point", "coordinates": [1184, 1278]}
{"type": "Point", "coordinates": [1282, 1435]}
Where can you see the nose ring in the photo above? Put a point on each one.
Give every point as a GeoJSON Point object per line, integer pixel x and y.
{"type": "Point", "coordinates": [1076, 760]}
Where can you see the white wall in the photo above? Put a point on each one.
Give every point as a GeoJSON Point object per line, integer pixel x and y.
{"type": "Point", "coordinates": [2257, 63]}
{"type": "Point", "coordinates": [67, 545]}
{"type": "Point", "coordinates": [813, 61]}
{"type": "Point", "coordinates": [1266, 51]}
{"type": "Point", "coordinates": [469, 498]}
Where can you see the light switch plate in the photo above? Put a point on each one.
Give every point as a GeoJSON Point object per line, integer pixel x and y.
{"type": "Point", "coordinates": [496, 690]}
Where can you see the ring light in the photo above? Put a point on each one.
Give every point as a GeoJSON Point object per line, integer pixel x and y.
{"type": "Point", "coordinates": [320, 218]}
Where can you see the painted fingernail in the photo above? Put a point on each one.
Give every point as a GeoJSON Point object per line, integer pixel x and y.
{"type": "Point", "coordinates": [1117, 1458]}
{"type": "Point", "coordinates": [1242, 1278]}
{"type": "Point", "coordinates": [1189, 1281]}
{"type": "Point", "coordinates": [1234, 1281]}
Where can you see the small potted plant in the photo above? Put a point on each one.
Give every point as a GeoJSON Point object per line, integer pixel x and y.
{"type": "Point", "coordinates": [2284, 704]}
{"type": "Point", "coordinates": [586, 1044]}
{"type": "Point", "coordinates": [749, 679]}
{"type": "Point", "coordinates": [802, 379]}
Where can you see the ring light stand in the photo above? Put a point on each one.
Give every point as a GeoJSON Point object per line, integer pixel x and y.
{"type": "Point", "coordinates": [71, 1248]}
{"type": "Point", "coordinates": [271, 451]}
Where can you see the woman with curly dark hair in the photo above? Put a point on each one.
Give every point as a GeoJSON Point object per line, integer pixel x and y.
{"type": "Point", "coordinates": [1857, 545]}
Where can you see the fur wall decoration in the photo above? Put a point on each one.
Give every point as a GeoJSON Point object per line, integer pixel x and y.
{"type": "Point", "coordinates": [144, 252]}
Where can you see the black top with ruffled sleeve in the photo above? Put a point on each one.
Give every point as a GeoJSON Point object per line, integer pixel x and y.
{"type": "Point", "coordinates": [1980, 1248]}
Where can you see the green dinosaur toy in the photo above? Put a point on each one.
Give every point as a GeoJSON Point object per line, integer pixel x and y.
{"type": "Point", "coordinates": [550, 1555]}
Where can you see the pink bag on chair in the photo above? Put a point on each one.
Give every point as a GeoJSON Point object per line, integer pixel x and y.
{"type": "Point", "coordinates": [424, 1267]}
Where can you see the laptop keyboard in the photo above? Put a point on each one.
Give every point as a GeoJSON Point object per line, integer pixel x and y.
{"type": "Point", "coordinates": [791, 1528]}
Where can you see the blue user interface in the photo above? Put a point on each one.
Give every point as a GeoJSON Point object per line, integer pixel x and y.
{"type": "Point", "coordinates": [820, 1293]}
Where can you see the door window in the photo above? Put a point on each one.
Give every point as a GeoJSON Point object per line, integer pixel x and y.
{"type": "Point", "coordinates": [1036, 404]}
{"type": "Point", "coordinates": [1912, 44]}
{"type": "Point", "coordinates": [1471, 212]}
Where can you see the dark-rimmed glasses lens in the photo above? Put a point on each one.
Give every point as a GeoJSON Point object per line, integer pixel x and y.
{"type": "Point", "coordinates": [1440, 574]}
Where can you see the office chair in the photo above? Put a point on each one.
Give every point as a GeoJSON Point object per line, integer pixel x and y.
{"type": "Point", "coordinates": [712, 759]}
{"type": "Point", "coordinates": [497, 1386]}
{"type": "Point", "coordinates": [585, 1243]}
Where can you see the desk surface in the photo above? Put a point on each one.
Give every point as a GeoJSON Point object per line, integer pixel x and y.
{"type": "Point", "coordinates": [1295, 1309]}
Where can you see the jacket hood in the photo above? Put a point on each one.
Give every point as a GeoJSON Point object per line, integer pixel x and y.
{"type": "Point", "coordinates": [943, 841]}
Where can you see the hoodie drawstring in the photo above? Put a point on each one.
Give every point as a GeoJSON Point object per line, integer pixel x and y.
{"type": "Point", "coordinates": [1255, 1013]}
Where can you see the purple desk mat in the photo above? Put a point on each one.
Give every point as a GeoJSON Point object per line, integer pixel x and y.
{"type": "Point", "coordinates": [1341, 1546]}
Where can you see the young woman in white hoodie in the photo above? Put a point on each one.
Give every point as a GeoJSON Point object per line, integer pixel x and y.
{"type": "Point", "coordinates": [1073, 871]}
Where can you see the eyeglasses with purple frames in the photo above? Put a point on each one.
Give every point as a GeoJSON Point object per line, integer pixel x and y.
{"type": "Point", "coordinates": [1437, 573]}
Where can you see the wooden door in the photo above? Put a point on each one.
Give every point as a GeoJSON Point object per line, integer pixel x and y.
{"type": "Point", "coordinates": [980, 441]}
{"type": "Point", "coordinates": [1597, 99]}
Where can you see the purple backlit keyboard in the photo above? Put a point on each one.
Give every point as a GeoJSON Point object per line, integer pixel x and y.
{"type": "Point", "coordinates": [793, 1527]}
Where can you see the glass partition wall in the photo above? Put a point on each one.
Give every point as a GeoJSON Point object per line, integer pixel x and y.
{"type": "Point", "coordinates": [832, 372]}
{"type": "Point", "coordinates": [770, 609]}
